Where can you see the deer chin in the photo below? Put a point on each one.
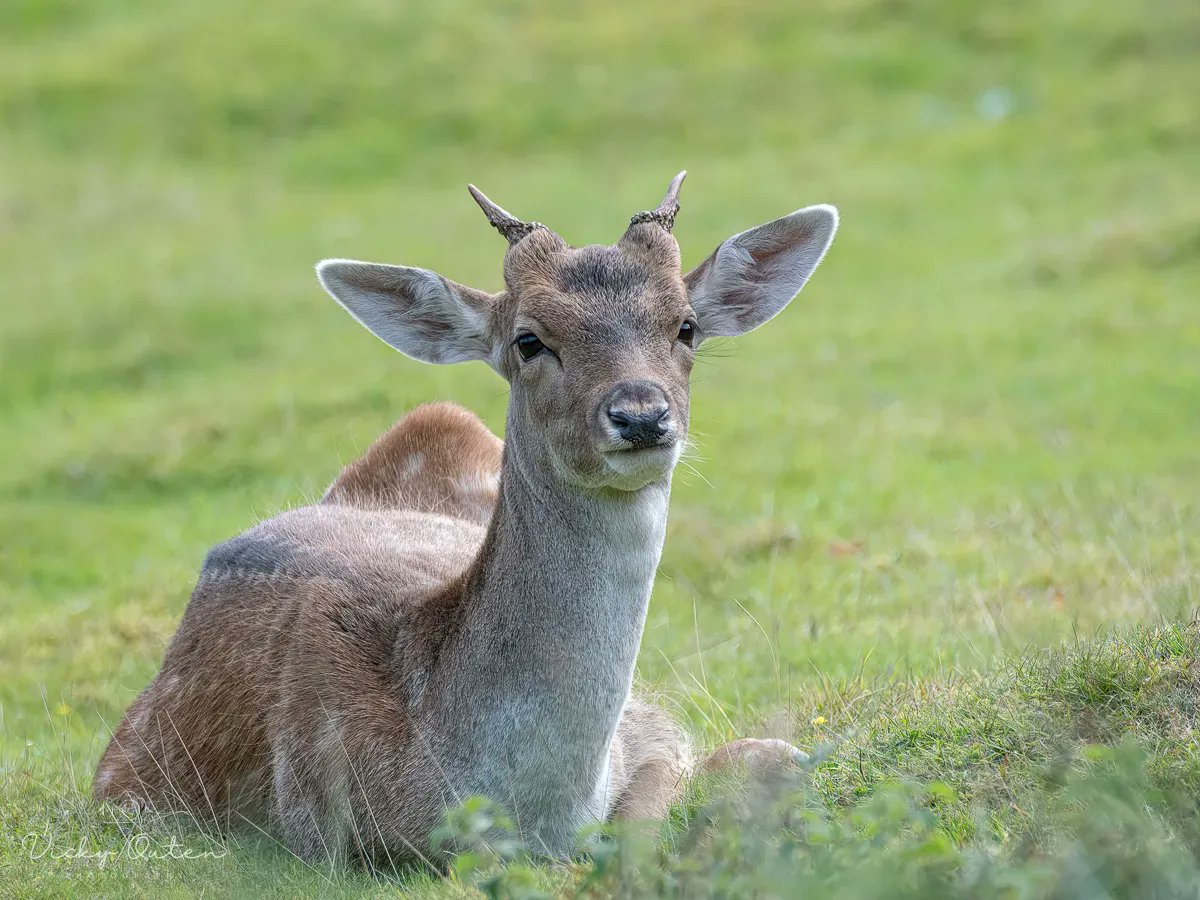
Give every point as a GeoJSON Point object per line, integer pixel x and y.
{"type": "Point", "coordinates": [635, 468]}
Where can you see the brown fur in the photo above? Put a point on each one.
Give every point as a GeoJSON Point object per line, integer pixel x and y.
{"type": "Point", "coordinates": [437, 459]}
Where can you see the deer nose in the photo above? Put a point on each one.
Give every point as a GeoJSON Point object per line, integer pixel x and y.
{"type": "Point", "coordinates": [637, 411]}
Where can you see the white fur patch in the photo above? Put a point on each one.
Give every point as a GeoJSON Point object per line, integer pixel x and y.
{"type": "Point", "coordinates": [477, 483]}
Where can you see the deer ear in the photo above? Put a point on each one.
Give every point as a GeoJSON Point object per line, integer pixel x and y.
{"type": "Point", "coordinates": [420, 313]}
{"type": "Point", "coordinates": [752, 276]}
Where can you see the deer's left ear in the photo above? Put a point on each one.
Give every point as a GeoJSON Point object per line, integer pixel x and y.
{"type": "Point", "coordinates": [752, 276]}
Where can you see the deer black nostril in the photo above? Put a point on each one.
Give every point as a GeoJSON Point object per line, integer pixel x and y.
{"type": "Point", "coordinates": [640, 429]}
{"type": "Point", "coordinates": [638, 412]}
{"type": "Point", "coordinates": [619, 417]}
{"type": "Point", "coordinates": [649, 420]}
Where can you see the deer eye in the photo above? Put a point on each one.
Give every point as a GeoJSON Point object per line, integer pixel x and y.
{"type": "Point", "coordinates": [528, 345]}
{"type": "Point", "coordinates": [687, 332]}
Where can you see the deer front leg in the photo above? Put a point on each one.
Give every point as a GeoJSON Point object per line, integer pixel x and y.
{"type": "Point", "coordinates": [651, 759]}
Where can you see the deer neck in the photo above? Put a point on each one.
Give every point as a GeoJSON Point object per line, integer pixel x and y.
{"type": "Point", "coordinates": [552, 617]}
{"type": "Point", "coordinates": [560, 589]}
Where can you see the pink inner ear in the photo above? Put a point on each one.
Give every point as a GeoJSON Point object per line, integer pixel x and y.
{"type": "Point", "coordinates": [769, 254]}
{"type": "Point", "coordinates": [755, 274]}
{"type": "Point", "coordinates": [768, 246]}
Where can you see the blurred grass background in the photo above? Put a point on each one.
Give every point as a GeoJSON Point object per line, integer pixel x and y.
{"type": "Point", "coordinates": [976, 432]}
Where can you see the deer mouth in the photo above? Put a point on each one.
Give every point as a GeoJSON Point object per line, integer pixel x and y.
{"type": "Point", "coordinates": [664, 444]}
{"type": "Point", "coordinates": [645, 460]}
{"type": "Point", "coordinates": [626, 448]}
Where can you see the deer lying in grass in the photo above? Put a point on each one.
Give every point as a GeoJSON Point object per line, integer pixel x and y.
{"type": "Point", "coordinates": [459, 616]}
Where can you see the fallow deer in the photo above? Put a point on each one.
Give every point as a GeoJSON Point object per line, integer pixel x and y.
{"type": "Point", "coordinates": [460, 616]}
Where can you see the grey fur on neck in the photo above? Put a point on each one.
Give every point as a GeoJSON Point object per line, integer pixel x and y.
{"type": "Point", "coordinates": [540, 669]}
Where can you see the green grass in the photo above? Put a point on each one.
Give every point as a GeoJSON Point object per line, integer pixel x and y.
{"type": "Point", "coordinates": [970, 442]}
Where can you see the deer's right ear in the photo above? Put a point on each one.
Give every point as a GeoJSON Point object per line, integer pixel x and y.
{"type": "Point", "coordinates": [420, 313]}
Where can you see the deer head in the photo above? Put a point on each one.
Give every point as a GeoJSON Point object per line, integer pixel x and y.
{"type": "Point", "coordinates": [597, 343]}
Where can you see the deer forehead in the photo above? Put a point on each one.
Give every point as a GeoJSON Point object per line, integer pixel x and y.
{"type": "Point", "coordinates": [595, 290]}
